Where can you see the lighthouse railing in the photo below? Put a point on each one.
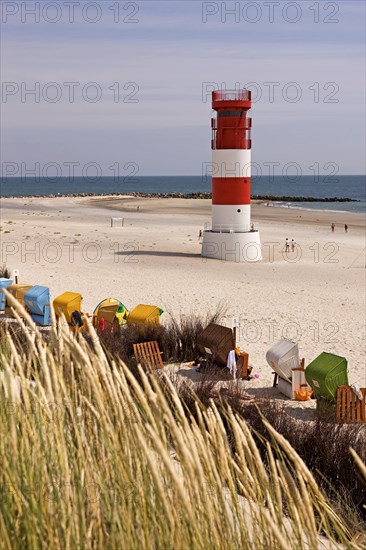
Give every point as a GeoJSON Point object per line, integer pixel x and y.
{"type": "Point", "coordinates": [231, 95]}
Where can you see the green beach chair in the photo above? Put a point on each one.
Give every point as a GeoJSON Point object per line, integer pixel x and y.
{"type": "Point", "coordinates": [326, 373]}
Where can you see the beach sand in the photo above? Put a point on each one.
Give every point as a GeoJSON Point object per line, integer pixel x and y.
{"type": "Point", "coordinates": [315, 295]}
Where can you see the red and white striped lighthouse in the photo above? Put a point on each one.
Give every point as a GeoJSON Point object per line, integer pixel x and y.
{"type": "Point", "coordinates": [232, 236]}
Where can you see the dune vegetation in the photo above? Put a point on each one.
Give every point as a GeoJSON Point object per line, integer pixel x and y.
{"type": "Point", "coordinates": [92, 456]}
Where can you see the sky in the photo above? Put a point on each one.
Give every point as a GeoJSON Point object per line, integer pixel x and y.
{"type": "Point", "coordinates": [122, 87]}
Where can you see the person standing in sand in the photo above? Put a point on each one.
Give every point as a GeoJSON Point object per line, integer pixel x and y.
{"type": "Point", "coordinates": [292, 245]}
{"type": "Point", "coordinates": [345, 227]}
{"type": "Point", "coordinates": [287, 245]}
{"type": "Point", "coordinates": [200, 235]}
{"type": "Point", "coordinates": [332, 226]}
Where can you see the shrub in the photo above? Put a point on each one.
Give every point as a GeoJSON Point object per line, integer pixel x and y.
{"type": "Point", "coordinates": [176, 339]}
{"type": "Point", "coordinates": [4, 272]}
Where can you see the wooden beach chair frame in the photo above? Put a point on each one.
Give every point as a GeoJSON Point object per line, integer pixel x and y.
{"type": "Point", "coordinates": [148, 355]}
{"type": "Point", "coordinates": [217, 341]}
{"type": "Point", "coordinates": [349, 407]}
{"type": "Point", "coordinates": [243, 365]}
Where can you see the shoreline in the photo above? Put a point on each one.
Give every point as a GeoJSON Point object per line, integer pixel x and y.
{"type": "Point", "coordinates": [202, 207]}
{"type": "Point", "coordinates": [268, 201]}
{"type": "Point", "coordinates": [140, 205]}
{"type": "Point", "coordinates": [178, 195]}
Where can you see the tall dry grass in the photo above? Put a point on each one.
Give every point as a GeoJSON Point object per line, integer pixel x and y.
{"type": "Point", "coordinates": [4, 272]}
{"type": "Point", "coordinates": [322, 443]}
{"type": "Point", "coordinates": [91, 458]}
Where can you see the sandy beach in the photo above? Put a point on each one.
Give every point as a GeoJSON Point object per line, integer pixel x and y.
{"type": "Point", "coordinates": [314, 295]}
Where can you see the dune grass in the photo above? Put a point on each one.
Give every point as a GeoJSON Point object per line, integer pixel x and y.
{"type": "Point", "coordinates": [322, 443]}
{"type": "Point", "coordinates": [92, 458]}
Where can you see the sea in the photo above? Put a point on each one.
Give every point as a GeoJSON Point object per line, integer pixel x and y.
{"type": "Point", "coordinates": [353, 187]}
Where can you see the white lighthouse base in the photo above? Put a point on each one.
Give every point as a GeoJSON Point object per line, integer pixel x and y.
{"type": "Point", "coordinates": [232, 247]}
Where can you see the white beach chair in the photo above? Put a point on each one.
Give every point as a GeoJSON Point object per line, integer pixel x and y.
{"type": "Point", "coordinates": [289, 372]}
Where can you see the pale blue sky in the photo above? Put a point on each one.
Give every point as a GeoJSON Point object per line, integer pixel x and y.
{"type": "Point", "coordinates": [170, 53]}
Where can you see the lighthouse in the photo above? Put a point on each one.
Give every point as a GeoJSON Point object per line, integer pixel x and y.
{"type": "Point", "coordinates": [232, 236]}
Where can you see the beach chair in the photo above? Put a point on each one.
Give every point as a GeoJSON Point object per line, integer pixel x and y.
{"type": "Point", "coordinates": [68, 304]}
{"type": "Point", "coordinates": [289, 372]}
{"type": "Point", "coordinates": [4, 283]}
{"type": "Point", "coordinates": [242, 363]}
{"type": "Point", "coordinates": [37, 302]}
{"type": "Point", "coordinates": [17, 290]}
{"type": "Point", "coordinates": [148, 355]}
{"type": "Point", "coordinates": [326, 373]}
{"type": "Point", "coordinates": [349, 407]}
{"type": "Point", "coordinates": [217, 341]}
{"type": "Point", "coordinates": [144, 315]}
{"type": "Point", "coordinates": [106, 318]}
{"type": "Point", "coordinates": [112, 312]}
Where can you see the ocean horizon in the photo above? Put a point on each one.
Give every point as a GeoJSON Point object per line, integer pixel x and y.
{"type": "Point", "coordinates": [346, 186]}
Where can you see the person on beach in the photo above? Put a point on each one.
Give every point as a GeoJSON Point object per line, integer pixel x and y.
{"type": "Point", "coordinates": [287, 245]}
{"type": "Point", "coordinates": [138, 209]}
{"type": "Point", "coordinates": [200, 235]}
{"type": "Point", "coordinates": [332, 226]}
{"type": "Point", "coordinates": [345, 227]}
{"type": "Point", "coordinates": [292, 245]}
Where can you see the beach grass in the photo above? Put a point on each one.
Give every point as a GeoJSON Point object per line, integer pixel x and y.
{"type": "Point", "coordinates": [92, 458]}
